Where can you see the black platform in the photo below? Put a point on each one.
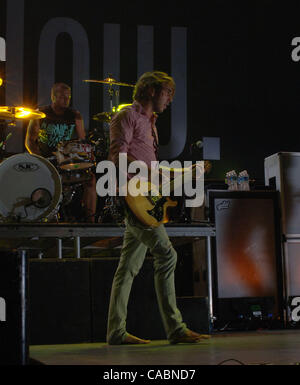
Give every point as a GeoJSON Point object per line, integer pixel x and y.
{"type": "Point", "coordinates": [19, 240]}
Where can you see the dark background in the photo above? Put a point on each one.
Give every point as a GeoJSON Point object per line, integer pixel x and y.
{"type": "Point", "coordinates": [243, 85]}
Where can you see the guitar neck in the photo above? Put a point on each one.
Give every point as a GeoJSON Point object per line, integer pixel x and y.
{"type": "Point", "coordinates": [176, 182]}
{"type": "Point", "coordinates": [184, 177]}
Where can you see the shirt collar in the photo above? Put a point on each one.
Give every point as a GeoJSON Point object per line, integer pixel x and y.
{"type": "Point", "coordinates": [140, 109]}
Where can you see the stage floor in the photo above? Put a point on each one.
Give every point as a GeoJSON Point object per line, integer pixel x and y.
{"type": "Point", "coordinates": [280, 347]}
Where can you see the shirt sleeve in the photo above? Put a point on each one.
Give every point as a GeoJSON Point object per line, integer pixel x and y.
{"type": "Point", "coordinates": [121, 134]}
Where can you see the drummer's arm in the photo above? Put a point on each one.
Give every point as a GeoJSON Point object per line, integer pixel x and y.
{"type": "Point", "coordinates": [79, 126]}
{"type": "Point", "coordinates": [31, 140]}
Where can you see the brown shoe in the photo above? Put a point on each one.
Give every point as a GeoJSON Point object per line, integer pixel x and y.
{"type": "Point", "coordinates": [132, 340]}
{"type": "Point", "coordinates": [189, 337]}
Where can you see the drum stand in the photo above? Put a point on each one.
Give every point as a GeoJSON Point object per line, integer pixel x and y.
{"type": "Point", "coordinates": [2, 138]}
{"type": "Point", "coordinates": [70, 202]}
{"type": "Point", "coordinates": [185, 214]}
{"type": "Point", "coordinates": [60, 248]}
{"type": "Point", "coordinates": [112, 92]}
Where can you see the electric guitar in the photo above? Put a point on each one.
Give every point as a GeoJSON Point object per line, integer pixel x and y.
{"type": "Point", "coordinates": [152, 208]}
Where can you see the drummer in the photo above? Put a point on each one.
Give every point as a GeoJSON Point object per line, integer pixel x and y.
{"type": "Point", "coordinates": [61, 123]}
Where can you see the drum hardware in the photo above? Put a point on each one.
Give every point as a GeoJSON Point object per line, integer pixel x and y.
{"type": "Point", "coordinates": [19, 113]}
{"type": "Point", "coordinates": [3, 152]}
{"type": "Point", "coordinates": [113, 211]}
{"type": "Point", "coordinates": [33, 189]}
{"type": "Point", "coordinates": [71, 209]}
{"type": "Point", "coordinates": [75, 155]}
{"type": "Point", "coordinates": [73, 181]}
{"type": "Point", "coordinates": [3, 143]}
{"type": "Point", "coordinates": [120, 107]}
{"type": "Point", "coordinates": [103, 117]}
{"type": "Point", "coordinates": [110, 81]}
{"type": "Point", "coordinates": [107, 116]}
{"type": "Point", "coordinates": [76, 164]}
{"type": "Point", "coordinates": [100, 142]}
{"type": "Point", "coordinates": [68, 194]}
{"type": "Point", "coordinates": [98, 137]}
{"type": "Point", "coordinates": [75, 177]}
{"type": "Point", "coordinates": [41, 198]}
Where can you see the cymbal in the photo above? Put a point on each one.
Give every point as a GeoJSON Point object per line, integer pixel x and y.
{"type": "Point", "coordinates": [120, 107]}
{"type": "Point", "coordinates": [110, 81]}
{"type": "Point", "coordinates": [103, 117]}
{"type": "Point", "coordinates": [7, 112]}
{"type": "Point", "coordinates": [107, 116]}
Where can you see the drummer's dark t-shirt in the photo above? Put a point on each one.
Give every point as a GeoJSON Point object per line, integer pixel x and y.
{"type": "Point", "coordinates": [56, 128]}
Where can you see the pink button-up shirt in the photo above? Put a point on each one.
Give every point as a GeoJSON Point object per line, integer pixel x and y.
{"type": "Point", "coordinates": [131, 133]}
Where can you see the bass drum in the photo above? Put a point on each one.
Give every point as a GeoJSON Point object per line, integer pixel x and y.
{"type": "Point", "coordinates": [31, 189]}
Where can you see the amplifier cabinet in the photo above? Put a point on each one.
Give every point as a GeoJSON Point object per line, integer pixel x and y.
{"type": "Point", "coordinates": [282, 172]}
{"type": "Point", "coordinates": [246, 252]}
{"type": "Point", "coordinates": [14, 339]}
{"type": "Point", "coordinates": [59, 301]}
{"type": "Point", "coordinates": [292, 277]}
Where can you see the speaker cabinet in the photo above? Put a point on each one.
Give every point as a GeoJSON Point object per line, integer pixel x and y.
{"type": "Point", "coordinates": [69, 301]}
{"type": "Point", "coordinates": [246, 251]}
{"type": "Point", "coordinates": [292, 267]}
{"type": "Point", "coordinates": [184, 273]}
{"type": "Point", "coordinates": [59, 301]}
{"type": "Point", "coordinates": [282, 171]}
{"type": "Point", "coordinates": [143, 317]}
{"type": "Point", "coordinates": [14, 343]}
{"type": "Point", "coordinates": [292, 278]}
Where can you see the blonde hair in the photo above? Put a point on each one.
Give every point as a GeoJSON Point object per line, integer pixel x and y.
{"type": "Point", "coordinates": [154, 80]}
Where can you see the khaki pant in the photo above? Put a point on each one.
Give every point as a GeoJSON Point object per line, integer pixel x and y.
{"type": "Point", "coordinates": [137, 239]}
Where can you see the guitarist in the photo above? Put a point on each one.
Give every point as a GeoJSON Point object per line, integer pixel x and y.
{"type": "Point", "coordinates": [133, 131]}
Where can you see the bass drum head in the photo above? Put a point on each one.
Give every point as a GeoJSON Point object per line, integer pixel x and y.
{"type": "Point", "coordinates": [20, 176]}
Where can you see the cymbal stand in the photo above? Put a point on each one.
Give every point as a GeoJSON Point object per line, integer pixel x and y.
{"type": "Point", "coordinates": [13, 122]}
{"type": "Point", "coordinates": [2, 138]}
{"type": "Point", "coordinates": [112, 92]}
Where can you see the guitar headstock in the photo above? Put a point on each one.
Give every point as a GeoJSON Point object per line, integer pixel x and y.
{"type": "Point", "coordinates": [207, 166]}
{"type": "Point", "coordinates": [204, 167]}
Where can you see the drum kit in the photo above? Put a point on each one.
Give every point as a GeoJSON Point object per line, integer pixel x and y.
{"type": "Point", "coordinates": [38, 188]}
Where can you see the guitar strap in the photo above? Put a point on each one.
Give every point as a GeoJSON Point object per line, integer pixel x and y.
{"type": "Point", "coordinates": [155, 140]}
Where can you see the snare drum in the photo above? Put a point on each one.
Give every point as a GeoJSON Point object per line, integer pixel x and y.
{"type": "Point", "coordinates": [71, 177]}
{"type": "Point", "coordinates": [75, 155]}
{"type": "Point", "coordinates": [31, 189]}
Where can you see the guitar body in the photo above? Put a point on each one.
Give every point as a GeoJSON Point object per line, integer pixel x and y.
{"type": "Point", "coordinates": [149, 209]}
{"type": "Point", "coordinates": [146, 202]}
